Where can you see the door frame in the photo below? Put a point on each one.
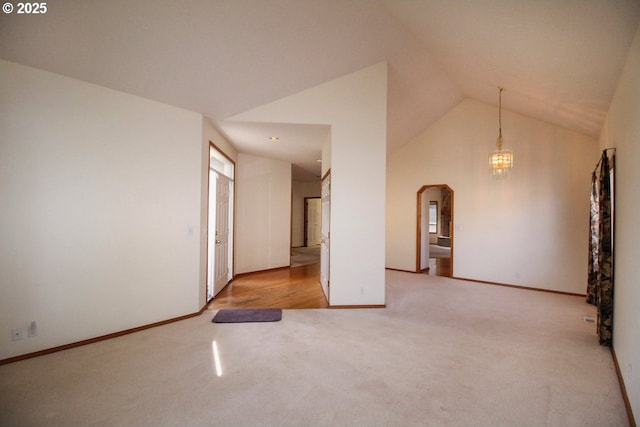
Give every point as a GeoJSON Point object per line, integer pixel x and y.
{"type": "Point", "coordinates": [419, 223]}
{"type": "Point", "coordinates": [223, 246]}
{"type": "Point", "coordinates": [232, 203]}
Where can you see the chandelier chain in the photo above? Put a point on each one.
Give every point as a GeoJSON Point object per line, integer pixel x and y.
{"type": "Point", "coordinates": [500, 118]}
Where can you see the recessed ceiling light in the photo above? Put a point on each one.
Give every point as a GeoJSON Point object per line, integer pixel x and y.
{"type": "Point", "coordinates": [273, 138]}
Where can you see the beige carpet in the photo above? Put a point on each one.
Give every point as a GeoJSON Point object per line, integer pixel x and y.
{"type": "Point", "coordinates": [444, 353]}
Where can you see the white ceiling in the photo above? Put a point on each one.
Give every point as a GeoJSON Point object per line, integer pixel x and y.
{"type": "Point", "coordinates": [559, 60]}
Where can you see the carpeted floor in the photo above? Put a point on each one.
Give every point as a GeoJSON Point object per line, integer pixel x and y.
{"type": "Point", "coordinates": [443, 353]}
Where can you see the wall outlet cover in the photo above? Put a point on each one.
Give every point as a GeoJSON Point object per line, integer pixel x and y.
{"type": "Point", "coordinates": [17, 334]}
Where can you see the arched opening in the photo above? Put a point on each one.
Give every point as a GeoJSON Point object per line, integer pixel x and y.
{"type": "Point", "coordinates": [434, 236]}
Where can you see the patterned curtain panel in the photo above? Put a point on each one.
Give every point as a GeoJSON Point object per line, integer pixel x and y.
{"type": "Point", "coordinates": [593, 241]}
{"type": "Point", "coordinates": [600, 280]}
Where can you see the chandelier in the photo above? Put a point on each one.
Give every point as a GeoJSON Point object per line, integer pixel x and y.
{"type": "Point", "coordinates": [500, 161]}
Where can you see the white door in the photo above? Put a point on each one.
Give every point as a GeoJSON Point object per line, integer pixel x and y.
{"type": "Point", "coordinates": [425, 212]}
{"type": "Point", "coordinates": [211, 233]}
{"type": "Point", "coordinates": [221, 235]}
{"type": "Point", "coordinates": [325, 234]}
{"type": "Point", "coordinates": [313, 222]}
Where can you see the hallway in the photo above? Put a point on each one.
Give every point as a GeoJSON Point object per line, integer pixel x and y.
{"type": "Point", "coordinates": [286, 288]}
{"type": "Point", "coordinates": [439, 261]}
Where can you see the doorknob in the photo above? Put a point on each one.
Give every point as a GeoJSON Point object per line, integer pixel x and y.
{"type": "Point", "coordinates": [218, 242]}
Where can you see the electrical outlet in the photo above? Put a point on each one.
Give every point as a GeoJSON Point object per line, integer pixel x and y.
{"type": "Point", "coordinates": [17, 334]}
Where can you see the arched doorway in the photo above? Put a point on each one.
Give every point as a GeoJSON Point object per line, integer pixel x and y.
{"type": "Point", "coordinates": [434, 236]}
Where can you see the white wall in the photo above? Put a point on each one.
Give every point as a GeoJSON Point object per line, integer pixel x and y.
{"type": "Point", "coordinates": [424, 228]}
{"type": "Point", "coordinates": [529, 229]}
{"type": "Point", "coordinates": [356, 108]}
{"type": "Point", "coordinates": [300, 190]}
{"type": "Point", "coordinates": [622, 131]}
{"type": "Point", "coordinates": [100, 209]}
{"type": "Point", "coordinates": [326, 157]}
{"type": "Point", "coordinates": [209, 134]}
{"type": "Point", "coordinates": [263, 213]}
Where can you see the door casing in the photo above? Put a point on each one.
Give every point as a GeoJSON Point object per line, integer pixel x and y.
{"type": "Point", "coordinates": [419, 223]}
{"type": "Point", "coordinates": [210, 287]}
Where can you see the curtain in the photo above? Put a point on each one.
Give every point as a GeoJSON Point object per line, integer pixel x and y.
{"type": "Point", "coordinates": [592, 278]}
{"type": "Point", "coordinates": [600, 277]}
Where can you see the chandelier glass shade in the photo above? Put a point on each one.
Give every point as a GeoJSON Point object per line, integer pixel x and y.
{"type": "Point", "coordinates": [500, 161]}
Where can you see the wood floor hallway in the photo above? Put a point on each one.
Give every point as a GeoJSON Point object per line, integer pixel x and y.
{"type": "Point", "coordinates": [287, 288]}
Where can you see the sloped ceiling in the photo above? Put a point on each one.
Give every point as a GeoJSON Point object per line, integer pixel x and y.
{"type": "Point", "coordinates": [559, 60]}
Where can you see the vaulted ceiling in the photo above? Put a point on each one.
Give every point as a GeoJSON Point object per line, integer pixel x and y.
{"type": "Point", "coordinates": [559, 60]}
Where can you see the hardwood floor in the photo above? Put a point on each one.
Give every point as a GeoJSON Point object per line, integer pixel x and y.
{"type": "Point", "coordinates": [297, 287]}
{"type": "Point", "coordinates": [439, 260]}
{"type": "Point", "coordinates": [440, 267]}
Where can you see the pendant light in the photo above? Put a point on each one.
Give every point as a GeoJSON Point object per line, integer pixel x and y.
{"type": "Point", "coordinates": [500, 161]}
